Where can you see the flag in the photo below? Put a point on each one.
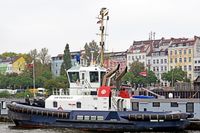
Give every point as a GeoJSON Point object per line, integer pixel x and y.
{"type": "Point", "coordinates": [30, 65]}
{"type": "Point", "coordinates": [144, 73]}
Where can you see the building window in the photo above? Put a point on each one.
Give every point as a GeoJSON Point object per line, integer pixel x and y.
{"type": "Point", "coordinates": [165, 68]}
{"type": "Point", "coordinates": [143, 57]}
{"type": "Point", "coordinates": [174, 104]}
{"type": "Point", "coordinates": [154, 62]}
{"type": "Point", "coordinates": [156, 104]}
{"type": "Point", "coordinates": [170, 52]}
{"type": "Point", "coordinates": [190, 76]}
{"type": "Point", "coordinates": [190, 68]}
{"type": "Point", "coordinates": [133, 58]}
{"type": "Point", "coordinates": [175, 51]}
{"type": "Point", "coordinates": [171, 61]}
{"type": "Point", "coordinates": [78, 104]}
{"type": "Point", "coordinates": [165, 84]}
{"type": "Point", "coordinates": [189, 51]}
{"type": "Point", "coordinates": [149, 61]}
{"type": "Point", "coordinates": [161, 68]}
{"type": "Point", "coordinates": [190, 107]}
{"type": "Point", "coordinates": [185, 59]}
{"type": "Point", "coordinates": [185, 68]}
{"type": "Point", "coordinates": [180, 67]}
{"type": "Point", "coordinates": [157, 69]}
{"type": "Point", "coordinates": [184, 51]}
{"type": "Point", "coordinates": [129, 58]}
{"type": "Point", "coordinates": [165, 60]}
{"type": "Point", "coordinates": [195, 62]}
{"type": "Point", "coordinates": [180, 60]}
{"type": "Point", "coordinates": [175, 60]}
{"type": "Point", "coordinates": [180, 52]}
{"type": "Point", "coordinates": [154, 69]}
{"type": "Point", "coordinates": [55, 104]}
{"type": "Point", "coordinates": [190, 59]}
{"type": "Point", "coordinates": [161, 61]}
{"type": "Point", "coordinates": [157, 61]}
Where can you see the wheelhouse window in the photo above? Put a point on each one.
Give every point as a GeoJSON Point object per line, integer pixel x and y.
{"type": "Point", "coordinates": [55, 104]}
{"type": "Point", "coordinates": [73, 76]}
{"type": "Point", "coordinates": [190, 107]}
{"type": "Point", "coordinates": [174, 104]}
{"type": "Point", "coordinates": [94, 77]}
{"type": "Point", "coordinates": [156, 104]}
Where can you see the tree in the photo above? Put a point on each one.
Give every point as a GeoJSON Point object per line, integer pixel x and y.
{"type": "Point", "coordinates": [33, 54]}
{"type": "Point", "coordinates": [8, 54]}
{"type": "Point", "coordinates": [175, 75]}
{"type": "Point", "coordinates": [88, 48]}
{"type": "Point", "coordinates": [43, 56]}
{"type": "Point", "coordinates": [66, 60]}
{"type": "Point", "coordinates": [66, 64]}
{"type": "Point", "coordinates": [134, 77]}
{"type": "Point", "coordinates": [55, 83]}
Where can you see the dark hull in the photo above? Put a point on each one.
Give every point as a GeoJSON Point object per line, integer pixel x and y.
{"type": "Point", "coordinates": [31, 120]}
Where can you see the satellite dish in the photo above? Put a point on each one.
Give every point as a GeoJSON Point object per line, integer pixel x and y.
{"type": "Point", "coordinates": [170, 95]}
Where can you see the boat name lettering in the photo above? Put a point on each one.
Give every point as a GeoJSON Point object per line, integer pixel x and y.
{"type": "Point", "coordinates": [63, 98]}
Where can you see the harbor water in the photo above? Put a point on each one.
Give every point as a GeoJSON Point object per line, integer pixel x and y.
{"type": "Point", "coordinates": [7, 127]}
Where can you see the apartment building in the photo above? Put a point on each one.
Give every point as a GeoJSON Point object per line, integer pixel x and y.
{"type": "Point", "coordinates": [112, 59]}
{"type": "Point", "coordinates": [138, 52]}
{"type": "Point", "coordinates": [57, 61]}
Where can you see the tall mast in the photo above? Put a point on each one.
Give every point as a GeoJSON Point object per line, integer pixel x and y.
{"type": "Point", "coordinates": [103, 13]}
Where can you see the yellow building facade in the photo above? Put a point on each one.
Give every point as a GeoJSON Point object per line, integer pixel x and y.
{"type": "Point", "coordinates": [180, 55]}
{"type": "Point", "coordinates": [18, 65]}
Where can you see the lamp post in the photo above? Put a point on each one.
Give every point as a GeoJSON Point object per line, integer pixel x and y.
{"type": "Point", "coordinates": [34, 78]}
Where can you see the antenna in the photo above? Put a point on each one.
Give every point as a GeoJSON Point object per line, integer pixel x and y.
{"type": "Point", "coordinates": [103, 13]}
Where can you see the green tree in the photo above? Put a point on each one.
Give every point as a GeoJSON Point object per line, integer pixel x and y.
{"type": "Point", "coordinates": [134, 77]}
{"type": "Point", "coordinates": [175, 75]}
{"type": "Point", "coordinates": [92, 46]}
{"type": "Point", "coordinates": [66, 61]}
{"type": "Point", "coordinates": [8, 54]}
{"type": "Point", "coordinates": [56, 83]}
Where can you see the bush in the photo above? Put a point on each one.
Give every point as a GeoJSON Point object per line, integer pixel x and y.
{"type": "Point", "coordinates": [23, 94]}
{"type": "Point", "coordinates": [5, 94]}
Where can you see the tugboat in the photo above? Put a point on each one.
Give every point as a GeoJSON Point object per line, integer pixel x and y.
{"type": "Point", "coordinates": [93, 105]}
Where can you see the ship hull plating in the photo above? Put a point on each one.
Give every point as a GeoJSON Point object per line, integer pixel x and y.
{"type": "Point", "coordinates": [114, 121]}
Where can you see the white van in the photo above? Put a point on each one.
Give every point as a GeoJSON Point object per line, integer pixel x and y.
{"type": "Point", "coordinates": [41, 91]}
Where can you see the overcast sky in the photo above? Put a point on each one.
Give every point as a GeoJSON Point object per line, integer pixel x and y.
{"type": "Point", "coordinates": [30, 24]}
